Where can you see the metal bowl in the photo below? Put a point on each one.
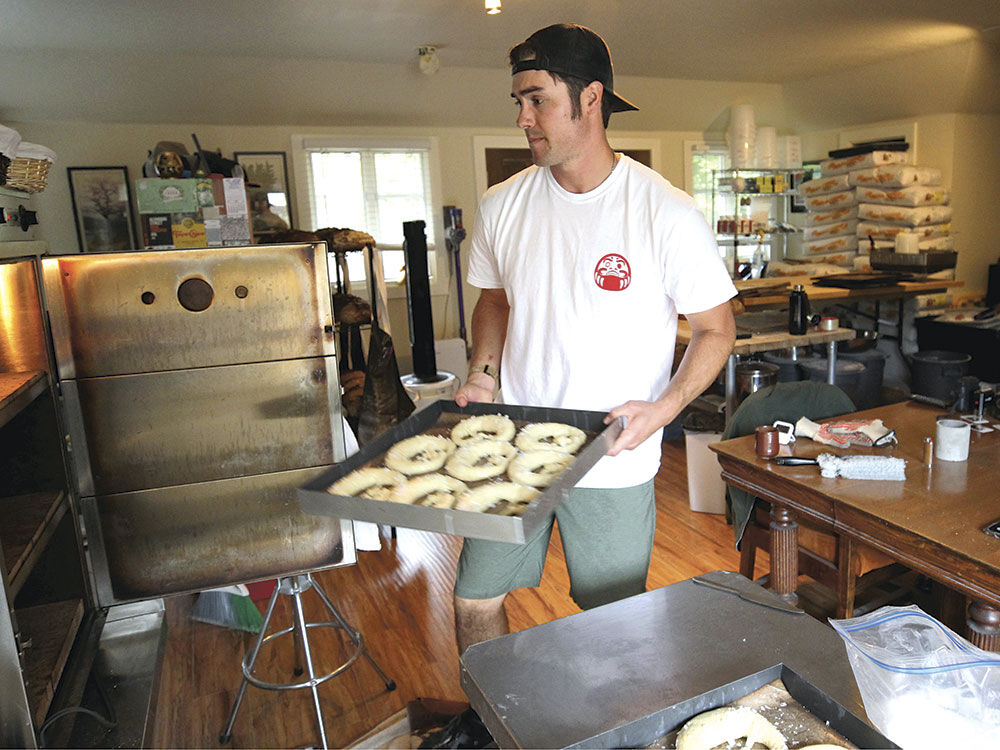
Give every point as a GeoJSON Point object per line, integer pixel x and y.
{"type": "Point", "coordinates": [862, 342]}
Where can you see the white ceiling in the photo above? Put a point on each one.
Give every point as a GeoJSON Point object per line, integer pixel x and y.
{"type": "Point", "coordinates": [764, 41]}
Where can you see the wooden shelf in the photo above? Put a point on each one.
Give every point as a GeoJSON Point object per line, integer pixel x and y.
{"type": "Point", "coordinates": [17, 390]}
{"type": "Point", "coordinates": [50, 629]}
{"type": "Point", "coordinates": [27, 525]}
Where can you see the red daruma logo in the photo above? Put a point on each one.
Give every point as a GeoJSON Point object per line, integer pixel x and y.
{"type": "Point", "coordinates": [613, 273]}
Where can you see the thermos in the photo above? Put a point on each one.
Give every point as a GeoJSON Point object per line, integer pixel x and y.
{"type": "Point", "coordinates": [798, 311]}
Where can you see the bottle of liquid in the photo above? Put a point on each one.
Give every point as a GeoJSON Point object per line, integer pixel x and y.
{"type": "Point", "coordinates": [798, 311]}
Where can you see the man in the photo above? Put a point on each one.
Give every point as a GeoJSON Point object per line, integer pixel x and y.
{"type": "Point", "coordinates": [584, 261]}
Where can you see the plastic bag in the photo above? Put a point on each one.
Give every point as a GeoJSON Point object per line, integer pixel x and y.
{"type": "Point", "coordinates": [923, 685]}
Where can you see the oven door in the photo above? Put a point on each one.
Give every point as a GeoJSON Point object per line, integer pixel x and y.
{"type": "Point", "coordinates": [200, 390]}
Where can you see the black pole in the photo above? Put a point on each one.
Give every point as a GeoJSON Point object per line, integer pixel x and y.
{"type": "Point", "coordinates": [418, 302]}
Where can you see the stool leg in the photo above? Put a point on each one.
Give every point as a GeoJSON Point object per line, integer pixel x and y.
{"type": "Point", "coordinates": [354, 634]}
{"type": "Point", "coordinates": [247, 667]}
{"type": "Point", "coordinates": [300, 623]}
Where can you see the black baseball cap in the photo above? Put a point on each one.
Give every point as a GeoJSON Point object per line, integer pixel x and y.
{"type": "Point", "coordinates": [571, 50]}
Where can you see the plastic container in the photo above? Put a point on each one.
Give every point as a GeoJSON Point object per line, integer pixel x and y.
{"type": "Point", "coordinates": [936, 374]}
{"type": "Point", "coordinates": [423, 394]}
{"type": "Point", "coordinates": [847, 375]}
{"type": "Point", "coordinates": [706, 490]}
{"type": "Point", "coordinates": [870, 383]}
{"type": "Point", "coordinates": [788, 363]}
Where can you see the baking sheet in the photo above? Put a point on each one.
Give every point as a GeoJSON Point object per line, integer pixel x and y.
{"type": "Point", "coordinates": [812, 717]}
{"type": "Point", "coordinates": [437, 419]}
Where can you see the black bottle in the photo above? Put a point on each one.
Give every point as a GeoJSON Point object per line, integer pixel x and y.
{"type": "Point", "coordinates": [798, 311]}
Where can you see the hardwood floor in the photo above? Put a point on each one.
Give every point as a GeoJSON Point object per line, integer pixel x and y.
{"type": "Point", "coordinates": [399, 598]}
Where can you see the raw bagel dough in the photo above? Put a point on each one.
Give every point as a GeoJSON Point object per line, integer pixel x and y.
{"type": "Point", "coordinates": [723, 726]}
{"type": "Point", "coordinates": [495, 426]}
{"type": "Point", "coordinates": [480, 459]}
{"type": "Point", "coordinates": [538, 468]}
{"type": "Point", "coordinates": [553, 436]}
{"type": "Point", "coordinates": [504, 498]}
{"type": "Point", "coordinates": [372, 482]}
{"type": "Point", "coordinates": [433, 490]}
{"type": "Point", "coordinates": [419, 454]}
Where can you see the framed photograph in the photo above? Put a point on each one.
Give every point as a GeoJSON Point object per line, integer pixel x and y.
{"type": "Point", "coordinates": [102, 207]}
{"type": "Point", "coordinates": [267, 178]}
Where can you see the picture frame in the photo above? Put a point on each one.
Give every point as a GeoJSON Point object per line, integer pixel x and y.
{"type": "Point", "coordinates": [102, 208]}
{"type": "Point", "coordinates": [267, 177]}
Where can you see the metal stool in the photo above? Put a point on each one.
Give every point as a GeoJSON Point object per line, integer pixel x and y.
{"type": "Point", "coordinates": [294, 586]}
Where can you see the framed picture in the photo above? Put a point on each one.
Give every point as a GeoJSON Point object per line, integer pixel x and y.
{"type": "Point", "coordinates": [267, 178]}
{"type": "Point", "coordinates": [102, 207]}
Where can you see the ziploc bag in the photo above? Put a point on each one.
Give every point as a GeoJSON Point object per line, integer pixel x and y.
{"type": "Point", "coordinates": [923, 685]}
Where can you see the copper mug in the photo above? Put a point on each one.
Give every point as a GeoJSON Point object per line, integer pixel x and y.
{"type": "Point", "coordinates": [766, 441]}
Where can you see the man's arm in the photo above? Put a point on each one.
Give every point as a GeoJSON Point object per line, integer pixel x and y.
{"type": "Point", "coordinates": [489, 330]}
{"type": "Point", "coordinates": [713, 333]}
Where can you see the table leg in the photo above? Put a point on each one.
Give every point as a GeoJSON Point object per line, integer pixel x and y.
{"type": "Point", "coordinates": [730, 387]}
{"type": "Point", "coordinates": [784, 553]}
{"type": "Point", "coordinates": [831, 362]}
{"type": "Point", "coordinates": [984, 625]}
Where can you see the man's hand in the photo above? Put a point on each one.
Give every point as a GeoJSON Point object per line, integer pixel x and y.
{"type": "Point", "coordinates": [479, 387]}
{"type": "Point", "coordinates": [642, 419]}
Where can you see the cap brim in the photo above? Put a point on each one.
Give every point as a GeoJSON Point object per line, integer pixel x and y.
{"type": "Point", "coordinates": [619, 104]}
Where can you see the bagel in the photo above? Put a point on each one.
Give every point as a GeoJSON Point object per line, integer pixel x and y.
{"type": "Point", "coordinates": [419, 454]}
{"type": "Point", "coordinates": [495, 426]}
{"type": "Point", "coordinates": [723, 726]}
{"type": "Point", "coordinates": [433, 490]}
{"type": "Point", "coordinates": [553, 436]}
{"type": "Point", "coordinates": [372, 482]}
{"type": "Point", "coordinates": [503, 498]}
{"type": "Point", "coordinates": [538, 468]}
{"type": "Point", "coordinates": [480, 459]}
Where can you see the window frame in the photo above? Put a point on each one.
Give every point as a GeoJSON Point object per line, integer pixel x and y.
{"type": "Point", "coordinates": [304, 144]}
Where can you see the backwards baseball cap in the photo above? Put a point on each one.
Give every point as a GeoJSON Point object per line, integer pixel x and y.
{"type": "Point", "coordinates": [570, 50]}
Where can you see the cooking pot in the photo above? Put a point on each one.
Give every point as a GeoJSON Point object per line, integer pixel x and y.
{"type": "Point", "coordinates": [936, 374]}
{"type": "Point", "coordinates": [752, 376]}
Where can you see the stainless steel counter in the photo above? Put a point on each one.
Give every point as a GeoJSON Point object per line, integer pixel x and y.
{"type": "Point", "coordinates": [580, 679]}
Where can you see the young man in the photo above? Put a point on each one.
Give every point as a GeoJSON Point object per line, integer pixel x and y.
{"type": "Point", "coordinates": [584, 261]}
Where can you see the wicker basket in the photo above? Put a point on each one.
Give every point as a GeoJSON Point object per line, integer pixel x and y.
{"type": "Point", "coordinates": [29, 175]}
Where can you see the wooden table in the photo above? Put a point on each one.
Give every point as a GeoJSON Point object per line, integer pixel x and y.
{"type": "Point", "coordinates": [901, 290]}
{"type": "Point", "coordinates": [932, 522]}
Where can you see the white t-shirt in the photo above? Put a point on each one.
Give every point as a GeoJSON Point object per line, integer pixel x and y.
{"type": "Point", "coordinates": [595, 282]}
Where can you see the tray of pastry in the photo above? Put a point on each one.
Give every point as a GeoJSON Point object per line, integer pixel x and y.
{"type": "Point", "coordinates": [776, 707]}
{"type": "Point", "coordinates": [486, 471]}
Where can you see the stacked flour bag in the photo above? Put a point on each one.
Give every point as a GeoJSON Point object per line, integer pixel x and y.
{"type": "Point", "coordinates": [902, 207]}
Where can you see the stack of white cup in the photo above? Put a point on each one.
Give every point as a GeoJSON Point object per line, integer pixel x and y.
{"type": "Point", "coordinates": [742, 136]}
{"type": "Point", "coordinates": [766, 148]}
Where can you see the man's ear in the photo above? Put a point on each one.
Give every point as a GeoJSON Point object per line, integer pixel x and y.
{"type": "Point", "coordinates": [590, 97]}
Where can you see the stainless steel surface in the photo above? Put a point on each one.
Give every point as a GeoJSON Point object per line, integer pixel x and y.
{"type": "Point", "coordinates": [122, 313]}
{"type": "Point", "coordinates": [186, 426]}
{"type": "Point", "coordinates": [16, 729]}
{"type": "Point", "coordinates": [314, 498]}
{"type": "Point", "coordinates": [201, 390]}
{"type": "Point", "coordinates": [575, 681]}
{"type": "Point", "coordinates": [734, 583]}
{"type": "Point", "coordinates": [127, 666]}
{"type": "Point", "coordinates": [22, 346]}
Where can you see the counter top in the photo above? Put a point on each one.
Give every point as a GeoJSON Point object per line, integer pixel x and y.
{"type": "Point", "coordinates": [763, 299]}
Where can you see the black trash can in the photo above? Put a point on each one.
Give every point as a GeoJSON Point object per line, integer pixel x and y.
{"type": "Point", "coordinates": [870, 384]}
{"type": "Point", "coordinates": [847, 375]}
{"type": "Point", "coordinates": [935, 374]}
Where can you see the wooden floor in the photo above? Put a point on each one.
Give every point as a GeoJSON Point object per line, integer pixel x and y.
{"type": "Point", "coordinates": [400, 600]}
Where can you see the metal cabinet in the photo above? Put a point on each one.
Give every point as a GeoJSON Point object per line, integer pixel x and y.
{"type": "Point", "coordinates": [50, 623]}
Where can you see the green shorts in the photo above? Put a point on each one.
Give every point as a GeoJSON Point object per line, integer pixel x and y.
{"type": "Point", "coordinates": [607, 536]}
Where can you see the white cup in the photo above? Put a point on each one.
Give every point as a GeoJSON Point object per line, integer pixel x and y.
{"type": "Point", "coordinates": [952, 442]}
{"type": "Point", "coordinates": [907, 242]}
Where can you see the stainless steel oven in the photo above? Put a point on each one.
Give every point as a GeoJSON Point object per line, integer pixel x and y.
{"type": "Point", "coordinates": [200, 389]}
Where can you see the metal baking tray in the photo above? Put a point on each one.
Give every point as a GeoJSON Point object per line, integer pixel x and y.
{"type": "Point", "coordinates": [662, 726]}
{"type": "Point", "coordinates": [438, 418]}
{"type": "Point", "coordinates": [926, 261]}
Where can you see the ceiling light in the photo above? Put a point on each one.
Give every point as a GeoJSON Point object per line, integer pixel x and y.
{"type": "Point", "coordinates": [492, 7]}
{"type": "Point", "coordinates": [430, 63]}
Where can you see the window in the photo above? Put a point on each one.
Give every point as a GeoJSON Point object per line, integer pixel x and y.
{"type": "Point", "coordinates": [373, 187]}
{"type": "Point", "coordinates": [706, 157]}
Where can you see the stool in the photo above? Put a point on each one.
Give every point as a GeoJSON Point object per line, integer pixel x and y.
{"type": "Point", "coordinates": [294, 586]}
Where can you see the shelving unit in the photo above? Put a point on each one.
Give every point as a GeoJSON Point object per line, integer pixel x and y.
{"type": "Point", "coordinates": [48, 621]}
{"type": "Point", "coordinates": [774, 185]}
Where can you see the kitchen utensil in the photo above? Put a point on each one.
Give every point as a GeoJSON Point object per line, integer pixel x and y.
{"type": "Point", "coordinates": [734, 583]}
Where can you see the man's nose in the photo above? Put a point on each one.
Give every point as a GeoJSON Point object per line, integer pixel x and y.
{"type": "Point", "coordinates": [524, 119]}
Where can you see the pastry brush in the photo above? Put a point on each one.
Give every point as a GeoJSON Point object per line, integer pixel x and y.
{"type": "Point", "coordinates": [850, 467]}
